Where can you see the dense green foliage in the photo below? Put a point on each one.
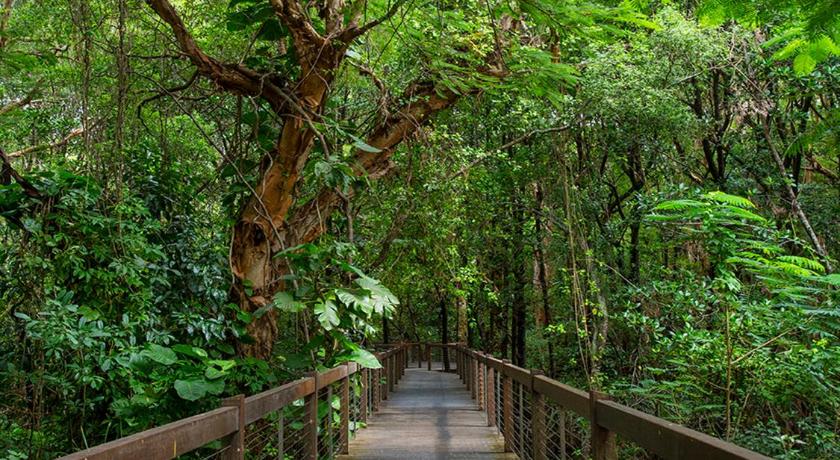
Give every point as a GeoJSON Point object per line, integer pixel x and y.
{"type": "Point", "coordinates": [641, 197]}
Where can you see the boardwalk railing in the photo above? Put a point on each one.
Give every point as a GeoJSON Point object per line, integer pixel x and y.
{"type": "Point", "coordinates": [307, 419]}
{"type": "Point", "coordinates": [542, 419]}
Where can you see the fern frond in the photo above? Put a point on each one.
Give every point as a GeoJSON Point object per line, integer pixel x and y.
{"type": "Point", "coordinates": [803, 262]}
{"type": "Point", "coordinates": [732, 200]}
{"type": "Point", "coordinates": [832, 279]}
{"type": "Point", "coordinates": [678, 205]}
{"type": "Point", "coordinates": [792, 269]}
{"type": "Point", "coordinates": [742, 213]}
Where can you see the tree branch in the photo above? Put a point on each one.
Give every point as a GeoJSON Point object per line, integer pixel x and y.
{"type": "Point", "coordinates": [507, 145]}
{"type": "Point", "coordinates": [22, 101]}
{"type": "Point", "coordinates": [307, 222]}
{"type": "Point", "coordinates": [7, 173]}
{"type": "Point", "coordinates": [353, 30]}
{"type": "Point", "coordinates": [233, 77]}
{"type": "Point", "coordinates": [290, 13]}
{"type": "Point", "coordinates": [52, 145]}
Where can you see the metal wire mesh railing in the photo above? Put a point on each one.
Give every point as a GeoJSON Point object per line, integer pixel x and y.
{"type": "Point", "coordinates": [542, 419]}
{"type": "Point", "coordinates": [562, 435]}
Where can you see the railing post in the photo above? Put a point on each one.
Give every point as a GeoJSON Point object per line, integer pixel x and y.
{"type": "Point", "coordinates": [392, 372]}
{"type": "Point", "coordinates": [602, 440]}
{"type": "Point", "coordinates": [462, 364]}
{"type": "Point", "coordinates": [403, 360]}
{"type": "Point", "coordinates": [474, 370]}
{"type": "Point", "coordinates": [429, 356]}
{"type": "Point", "coordinates": [491, 396]}
{"type": "Point", "coordinates": [363, 403]}
{"type": "Point", "coordinates": [310, 415]}
{"type": "Point", "coordinates": [480, 386]}
{"type": "Point", "coordinates": [236, 450]}
{"type": "Point", "coordinates": [468, 369]}
{"type": "Point", "coordinates": [344, 436]}
{"type": "Point", "coordinates": [458, 365]}
{"type": "Point", "coordinates": [538, 441]}
{"type": "Point", "coordinates": [376, 388]}
{"type": "Point", "coordinates": [384, 374]}
{"type": "Point", "coordinates": [507, 407]}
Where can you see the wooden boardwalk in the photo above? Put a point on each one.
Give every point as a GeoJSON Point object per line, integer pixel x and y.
{"type": "Point", "coordinates": [429, 416]}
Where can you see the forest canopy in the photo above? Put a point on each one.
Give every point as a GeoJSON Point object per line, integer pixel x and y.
{"type": "Point", "coordinates": [202, 198]}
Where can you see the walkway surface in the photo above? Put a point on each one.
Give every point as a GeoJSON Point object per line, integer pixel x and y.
{"type": "Point", "coordinates": [429, 416]}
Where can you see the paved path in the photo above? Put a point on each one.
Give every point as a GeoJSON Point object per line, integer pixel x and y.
{"type": "Point", "coordinates": [429, 416]}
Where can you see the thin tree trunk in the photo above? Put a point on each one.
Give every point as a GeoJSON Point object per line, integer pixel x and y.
{"type": "Point", "coordinates": [4, 21]}
{"type": "Point", "coordinates": [541, 272]}
{"type": "Point", "coordinates": [519, 282]}
{"type": "Point", "coordinates": [794, 200]}
{"type": "Point", "coordinates": [575, 288]}
{"type": "Point", "coordinates": [444, 332]}
{"type": "Point", "coordinates": [122, 91]}
{"type": "Point", "coordinates": [461, 309]}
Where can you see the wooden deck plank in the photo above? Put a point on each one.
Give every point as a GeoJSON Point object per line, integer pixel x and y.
{"type": "Point", "coordinates": [429, 416]}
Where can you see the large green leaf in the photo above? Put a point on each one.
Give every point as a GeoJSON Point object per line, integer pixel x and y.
{"type": "Point", "coordinates": [364, 358]}
{"type": "Point", "coordinates": [190, 350]}
{"type": "Point", "coordinates": [162, 355]}
{"type": "Point", "coordinates": [383, 300]}
{"type": "Point", "coordinates": [191, 390]}
{"type": "Point", "coordinates": [285, 301]}
{"type": "Point", "coordinates": [327, 313]}
{"type": "Point", "coordinates": [195, 389]}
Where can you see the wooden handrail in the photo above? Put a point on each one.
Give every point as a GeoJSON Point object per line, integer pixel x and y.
{"type": "Point", "coordinates": [170, 440]}
{"type": "Point", "coordinates": [227, 423]}
{"type": "Point", "coordinates": [477, 370]}
{"type": "Point", "coordinates": [607, 418]}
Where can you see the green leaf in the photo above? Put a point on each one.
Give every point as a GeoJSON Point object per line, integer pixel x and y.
{"type": "Point", "coordinates": [362, 145]}
{"type": "Point", "coordinates": [191, 390]}
{"type": "Point", "coordinates": [382, 300]}
{"type": "Point", "coordinates": [244, 316]}
{"type": "Point", "coordinates": [224, 364]}
{"type": "Point", "coordinates": [364, 358]}
{"type": "Point", "coordinates": [285, 301]}
{"type": "Point", "coordinates": [327, 313]}
{"type": "Point", "coordinates": [162, 355]}
{"type": "Point", "coordinates": [211, 373]}
{"type": "Point", "coordinates": [804, 64]}
{"type": "Point", "coordinates": [190, 350]}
